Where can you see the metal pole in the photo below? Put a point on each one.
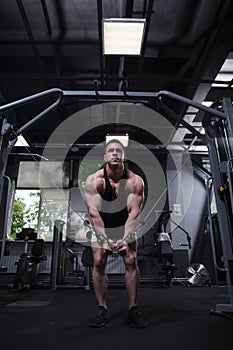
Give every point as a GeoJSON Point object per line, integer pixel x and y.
{"type": "Point", "coordinates": [224, 228]}
{"type": "Point", "coordinates": [56, 254]}
{"type": "Point", "coordinates": [112, 95]}
{"type": "Point", "coordinates": [208, 189]}
{"type": "Point", "coordinates": [29, 99]}
{"type": "Point", "coordinates": [9, 186]}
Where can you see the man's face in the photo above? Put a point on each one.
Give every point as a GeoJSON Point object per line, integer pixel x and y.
{"type": "Point", "coordinates": [114, 154]}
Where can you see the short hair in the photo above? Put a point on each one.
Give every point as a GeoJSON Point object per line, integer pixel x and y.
{"type": "Point", "coordinates": [115, 141]}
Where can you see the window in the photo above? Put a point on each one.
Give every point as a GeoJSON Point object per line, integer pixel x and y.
{"type": "Point", "coordinates": [47, 184]}
{"type": "Point", "coordinates": [43, 175]}
{"type": "Point", "coordinates": [53, 206]}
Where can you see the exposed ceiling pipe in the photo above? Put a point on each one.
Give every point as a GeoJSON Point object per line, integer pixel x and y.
{"type": "Point", "coordinates": [32, 40]}
{"type": "Point", "coordinates": [46, 16]}
{"type": "Point", "coordinates": [148, 19]}
{"type": "Point", "coordinates": [100, 34]}
{"type": "Point", "coordinates": [129, 6]}
{"type": "Point", "coordinates": [61, 34]}
{"type": "Point", "coordinates": [128, 14]}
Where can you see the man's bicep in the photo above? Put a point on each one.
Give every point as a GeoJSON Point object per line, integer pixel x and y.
{"type": "Point", "coordinates": [93, 200]}
{"type": "Point", "coordinates": [90, 188]}
{"type": "Point", "coordinates": [92, 196]}
{"type": "Point", "coordinates": [134, 203]}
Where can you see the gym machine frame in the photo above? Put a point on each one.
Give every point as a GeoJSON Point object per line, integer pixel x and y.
{"type": "Point", "coordinates": [222, 169]}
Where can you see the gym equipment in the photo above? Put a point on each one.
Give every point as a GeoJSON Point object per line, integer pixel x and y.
{"type": "Point", "coordinates": [26, 234]}
{"type": "Point", "coordinates": [161, 248]}
{"type": "Point", "coordinates": [4, 238]}
{"type": "Point", "coordinates": [26, 276]}
{"type": "Point", "coordinates": [212, 229]}
{"type": "Point", "coordinates": [9, 135]}
{"type": "Point", "coordinates": [5, 252]}
{"type": "Point", "coordinates": [87, 255]}
{"type": "Point", "coordinates": [218, 137]}
{"type": "Point", "coordinates": [77, 276]}
{"type": "Point", "coordinates": [197, 274]}
{"type": "Point", "coordinates": [56, 264]}
{"type": "Point", "coordinates": [164, 243]}
{"type": "Point", "coordinates": [101, 239]}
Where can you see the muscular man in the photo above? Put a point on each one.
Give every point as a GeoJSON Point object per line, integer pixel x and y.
{"type": "Point", "coordinates": [114, 196]}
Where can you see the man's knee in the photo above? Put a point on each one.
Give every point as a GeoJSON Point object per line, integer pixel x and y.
{"type": "Point", "coordinates": [130, 261]}
{"type": "Point", "coordinates": [99, 261]}
{"type": "Point", "coordinates": [99, 264]}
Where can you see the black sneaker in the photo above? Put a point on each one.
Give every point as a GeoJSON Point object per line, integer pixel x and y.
{"type": "Point", "coordinates": [135, 318]}
{"type": "Point", "coordinates": [100, 319]}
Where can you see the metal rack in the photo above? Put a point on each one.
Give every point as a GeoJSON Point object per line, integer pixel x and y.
{"type": "Point", "coordinates": [219, 132]}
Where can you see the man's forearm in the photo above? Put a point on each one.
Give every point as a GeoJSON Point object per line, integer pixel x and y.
{"type": "Point", "coordinates": [130, 226]}
{"type": "Point", "coordinates": [97, 225]}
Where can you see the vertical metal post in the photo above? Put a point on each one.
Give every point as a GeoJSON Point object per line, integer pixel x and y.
{"type": "Point", "coordinates": [224, 227]}
{"type": "Point", "coordinates": [225, 233]}
{"type": "Point", "coordinates": [5, 149]}
{"type": "Point", "coordinates": [88, 275]}
{"type": "Point", "coordinates": [9, 188]}
{"type": "Point", "coordinates": [209, 187]}
{"type": "Point", "coordinates": [56, 254]}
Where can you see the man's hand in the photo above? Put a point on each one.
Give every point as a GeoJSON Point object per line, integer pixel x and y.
{"type": "Point", "coordinates": [121, 247]}
{"type": "Point", "coordinates": [108, 247]}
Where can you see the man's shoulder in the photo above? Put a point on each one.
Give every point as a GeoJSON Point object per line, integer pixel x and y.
{"type": "Point", "coordinates": [95, 179]}
{"type": "Point", "coordinates": [98, 174]}
{"type": "Point", "coordinates": [135, 180]}
{"type": "Point", "coordinates": [133, 176]}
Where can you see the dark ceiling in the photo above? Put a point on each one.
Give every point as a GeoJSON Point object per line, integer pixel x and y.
{"type": "Point", "coordinates": [58, 44]}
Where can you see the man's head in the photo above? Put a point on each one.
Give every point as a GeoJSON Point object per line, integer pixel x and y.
{"type": "Point", "coordinates": [114, 152]}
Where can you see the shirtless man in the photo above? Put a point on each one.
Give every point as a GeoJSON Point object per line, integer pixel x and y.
{"type": "Point", "coordinates": [114, 196]}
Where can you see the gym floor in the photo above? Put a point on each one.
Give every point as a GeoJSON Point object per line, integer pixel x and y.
{"type": "Point", "coordinates": [179, 317]}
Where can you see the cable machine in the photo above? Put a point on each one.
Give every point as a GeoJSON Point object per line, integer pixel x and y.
{"type": "Point", "coordinates": [218, 125]}
{"type": "Point", "coordinates": [219, 133]}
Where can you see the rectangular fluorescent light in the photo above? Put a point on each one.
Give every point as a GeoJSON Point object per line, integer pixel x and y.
{"type": "Point", "coordinates": [225, 74]}
{"type": "Point", "coordinates": [123, 36]}
{"type": "Point", "coordinates": [207, 103]}
{"type": "Point", "coordinates": [199, 148]}
{"type": "Point", "coordinates": [21, 142]}
{"type": "Point", "coordinates": [219, 85]}
{"type": "Point", "coordinates": [123, 138]}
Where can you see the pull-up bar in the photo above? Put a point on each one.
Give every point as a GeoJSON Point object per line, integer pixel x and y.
{"type": "Point", "coordinates": [108, 95]}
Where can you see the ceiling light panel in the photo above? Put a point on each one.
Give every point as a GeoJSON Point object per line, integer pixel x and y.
{"type": "Point", "coordinates": [225, 74]}
{"type": "Point", "coordinates": [123, 36]}
{"type": "Point", "coordinates": [124, 138]}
